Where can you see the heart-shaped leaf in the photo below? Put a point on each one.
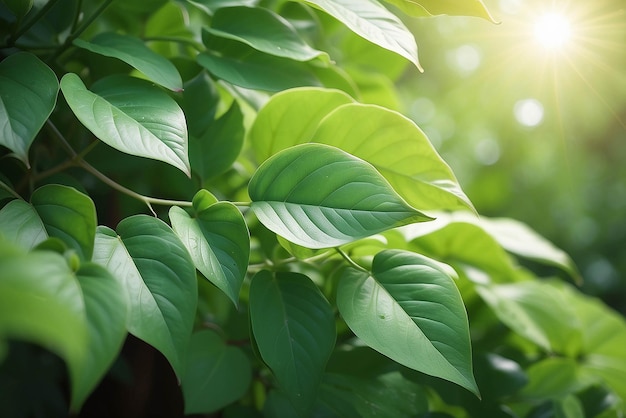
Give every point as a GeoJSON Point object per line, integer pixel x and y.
{"type": "Point", "coordinates": [159, 279]}
{"type": "Point", "coordinates": [105, 306]}
{"type": "Point", "coordinates": [370, 20]}
{"type": "Point", "coordinates": [410, 310]}
{"type": "Point", "coordinates": [440, 7]}
{"type": "Point", "coordinates": [283, 123]}
{"type": "Point", "coordinates": [399, 150]}
{"type": "Point", "coordinates": [21, 225]}
{"type": "Point", "coordinates": [136, 54]}
{"type": "Point", "coordinates": [132, 116]}
{"type": "Point", "coordinates": [218, 241]}
{"type": "Point", "coordinates": [68, 215]}
{"type": "Point", "coordinates": [294, 329]}
{"type": "Point", "coordinates": [319, 196]}
{"type": "Point", "coordinates": [28, 94]}
{"type": "Point", "coordinates": [263, 30]}
{"type": "Point", "coordinates": [216, 374]}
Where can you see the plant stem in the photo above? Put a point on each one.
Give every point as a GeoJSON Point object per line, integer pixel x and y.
{"type": "Point", "coordinates": [351, 261]}
{"type": "Point", "coordinates": [6, 187]}
{"type": "Point", "coordinates": [23, 29]}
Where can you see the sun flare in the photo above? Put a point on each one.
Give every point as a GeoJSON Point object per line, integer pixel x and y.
{"type": "Point", "coordinates": [553, 31]}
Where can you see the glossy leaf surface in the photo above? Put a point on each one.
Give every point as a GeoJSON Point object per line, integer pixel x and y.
{"type": "Point", "coordinates": [218, 241]}
{"type": "Point", "coordinates": [159, 280]}
{"type": "Point", "coordinates": [318, 196]}
{"type": "Point", "coordinates": [439, 7]}
{"type": "Point", "coordinates": [216, 374]}
{"type": "Point", "coordinates": [135, 53]}
{"type": "Point", "coordinates": [69, 215]}
{"type": "Point", "coordinates": [294, 329]}
{"type": "Point", "coordinates": [21, 225]}
{"type": "Point", "coordinates": [370, 20]}
{"type": "Point", "coordinates": [410, 310]}
{"type": "Point", "coordinates": [28, 94]}
{"type": "Point", "coordinates": [263, 30]}
{"type": "Point", "coordinates": [105, 308]}
{"type": "Point", "coordinates": [132, 116]}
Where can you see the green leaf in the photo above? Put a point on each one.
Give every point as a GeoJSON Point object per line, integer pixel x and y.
{"type": "Point", "coordinates": [159, 280]}
{"type": "Point", "coordinates": [537, 311]}
{"type": "Point", "coordinates": [218, 148]}
{"type": "Point", "coordinates": [410, 310]}
{"type": "Point", "coordinates": [258, 71]}
{"type": "Point", "coordinates": [264, 31]}
{"type": "Point", "coordinates": [132, 116]}
{"type": "Point", "coordinates": [200, 102]}
{"type": "Point", "coordinates": [294, 328]}
{"type": "Point", "coordinates": [216, 374]}
{"type": "Point", "coordinates": [553, 378]}
{"type": "Point", "coordinates": [218, 241]}
{"type": "Point", "coordinates": [105, 306]}
{"type": "Point", "coordinates": [68, 215]}
{"type": "Point", "coordinates": [399, 150]}
{"type": "Point", "coordinates": [440, 7]}
{"type": "Point", "coordinates": [136, 54]}
{"type": "Point", "coordinates": [28, 94]}
{"type": "Point", "coordinates": [19, 7]}
{"type": "Point", "coordinates": [21, 225]}
{"type": "Point", "coordinates": [318, 196]}
{"type": "Point", "coordinates": [370, 20]}
{"type": "Point", "coordinates": [281, 123]}
{"type": "Point", "coordinates": [41, 302]}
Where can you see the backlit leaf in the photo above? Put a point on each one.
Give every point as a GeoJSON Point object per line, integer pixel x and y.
{"type": "Point", "coordinates": [318, 196]}
{"type": "Point", "coordinates": [132, 116]}
{"type": "Point", "coordinates": [159, 280]}
{"type": "Point", "coordinates": [28, 94]}
{"type": "Point", "coordinates": [136, 54]}
{"type": "Point", "coordinates": [439, 7]}
{"type": "Point", "coordinates": [410, 310]}
{"type": "Point", "coordinates": [294, 329]}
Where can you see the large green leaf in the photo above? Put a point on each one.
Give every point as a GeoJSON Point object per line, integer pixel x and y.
{"type": "Point", "coordinates": [19, 7]}
{"type": "Point", "coordinates": [105, 306]}
{"type": "Point", "coordinates": [216, 374]}
{"type": "Point", "coordinates": [410, 310]}
{"type": "Point", "coordinates": [439, 7]}
{"type": "Point", "coordinates": [28, 94]}
{"type": "Point", "coordinates": [132, 116]}
{"type": "Point", "coordinates": [159, 280]}
{"type": "Point", "coordinates": [537, 311]}
{"type": "Point", "coordinates": [282, 123]}
{"type": "Point", "coordinates": [263, 30]}
{"type": "Point", "coordinates": [219, 243]}
{"type": "Point", "coordinates": [135, 53]}
{"type": "Point", "coordinates": [370, 20]}
{"type": "Point", "coordinates": [41, 302]}
{"type": "Point", "coordinates": [399, 150]}
{"type": "Point", "coordinates": [69, 215]}
{"type": "Point", "coordinates": [259, 71]}
{"type": "Point", "coordinates": [318, 196]}
{"type": "Point", "coordinates": [21, 225]}
{"type": "Point", "coordinates": [219, 146]}
{"type": "Point", "coordinates": [554, 378]}
{"type": "Point", "coordinates": [294, 328]}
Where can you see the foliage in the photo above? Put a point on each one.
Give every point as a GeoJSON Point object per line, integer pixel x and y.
{"type": "Point", "coordinates": [293, 265]}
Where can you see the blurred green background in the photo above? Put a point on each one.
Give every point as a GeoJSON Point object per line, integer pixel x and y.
{"type": "Point", "coordinates": [535, 132]}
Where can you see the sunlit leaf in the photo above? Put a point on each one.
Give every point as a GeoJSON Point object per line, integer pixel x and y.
{"type": "Point", "coordinates": [294, 329]}
{"type": "Point", "coordinates": [440, 7]}
{"type": "Point", "coordinates": [290, 118]}
{"type": "Point", "coordinates": [159, 280]}
{"type": "Point", "coordinates": [28, 94]}
{"type": "Point", "coordinates": [105, 307]}
{"type": "Point", "coordinates": [399, 150]}
{"type": "Point", "coordinates": [410, 310]}
{"type": "Point", "coordinates": [218, 241]}
{"type": "Point", "coordinates": [263, 30]}
{"type": "Point", "coordinates": [68, 215]}
{"type": "Point", "coordinates": [370, 20]}
{"type": "Point", "coordinates": [41, 302]}
{"type": "Point", "coordinates": [136, 54]}
{"type": "Point", "coordinates": [132, 116]}
{"type": "Point", "coordinates": [318, 196]}
{"type": "Point", "coordinates": [21, 225]}
{"type": "Point", "coordinates": [216, 374]}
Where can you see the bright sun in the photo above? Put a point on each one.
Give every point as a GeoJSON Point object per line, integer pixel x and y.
{"type": "Point", "coordinates": [552, 30]}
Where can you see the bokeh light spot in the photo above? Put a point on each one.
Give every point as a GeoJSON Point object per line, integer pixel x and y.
{"type": "Point", "coordinates": [528, 112]}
